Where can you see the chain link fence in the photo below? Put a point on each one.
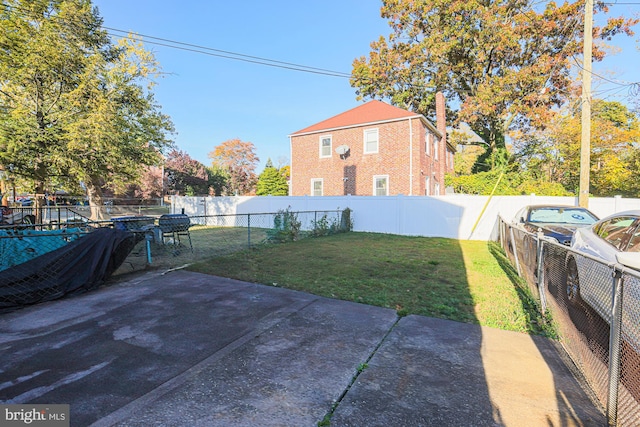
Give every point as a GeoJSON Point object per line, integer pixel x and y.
{"type": "Point", "coordinates": [596, 309]}
{"type": "Point", "coordinates": [52, 216]}
{"type": "Point", "coordinates": [173, 246]}
{"type": "Point", "coordinates": [29, 273]}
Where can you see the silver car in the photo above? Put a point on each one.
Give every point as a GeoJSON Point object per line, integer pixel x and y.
{"type": "Point", "coordinates": [612, 240]}
{"type": "Point", "coordinates": [557, 222]}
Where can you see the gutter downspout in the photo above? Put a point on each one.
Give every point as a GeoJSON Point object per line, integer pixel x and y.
{"type": "Point", "coordinates": [290, 167]}
{"type": "Point", "coordinates": [410, 158]}
{"type": "Point", "coordinates": [441, 125]}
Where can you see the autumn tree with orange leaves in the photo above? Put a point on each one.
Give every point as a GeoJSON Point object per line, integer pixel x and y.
{"type": "Point", "coordinates": [554, 154]}
{"type": "Point", "coordinates": [502, 65]}
{"type": "Point", "coordinates": [239, 160]}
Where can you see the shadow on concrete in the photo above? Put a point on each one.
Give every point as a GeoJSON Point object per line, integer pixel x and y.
{"type": "Point", "coordinates": [426, 372]}
{"type": "Point", "coordinates": [586, 335]}
{"type": "Point", "coordinates": [565, 377]}
{"type": "Point", "coordinates": [191, 349]}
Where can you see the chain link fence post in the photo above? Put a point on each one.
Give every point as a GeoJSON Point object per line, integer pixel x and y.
{"type": "Point", "coordinates": [515, 251]}
{"type": "Point", "coordinates": [248, 231]}
{"type": "Point", "coordinates": [540, 271]}
{"type": "Point", "coordinates": [614, 348]}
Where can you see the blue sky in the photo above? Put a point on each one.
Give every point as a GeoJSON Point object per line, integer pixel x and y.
{"type": "Point", "coordinates": [212, 99]}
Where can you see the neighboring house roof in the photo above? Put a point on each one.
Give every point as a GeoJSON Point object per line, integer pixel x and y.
{"type": "Point", "coordinates": [371, 112]}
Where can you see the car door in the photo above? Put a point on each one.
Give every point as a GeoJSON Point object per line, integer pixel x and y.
{"type": "Point", "coordinates": [608, 238]}
{"type": "Point", "coordinates": [631, 296]}
{"type": "Point", "coordinates": [633, 243]}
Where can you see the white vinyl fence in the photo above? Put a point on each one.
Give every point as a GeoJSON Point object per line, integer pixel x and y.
{"type": "Point", "coordinates": [454, 216]}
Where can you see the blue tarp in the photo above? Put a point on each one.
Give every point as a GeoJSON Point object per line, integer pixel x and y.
{"type": "Point", "coordinates": [20, 246]}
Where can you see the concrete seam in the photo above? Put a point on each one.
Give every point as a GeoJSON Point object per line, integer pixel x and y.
{"type": "Point", "coordinates": [338, 401]}
{"type": "Point", "coordinates": [120, 414]}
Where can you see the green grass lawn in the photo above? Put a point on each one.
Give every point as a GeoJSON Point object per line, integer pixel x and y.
{"type": "Point", "coordinates": [468, 281]}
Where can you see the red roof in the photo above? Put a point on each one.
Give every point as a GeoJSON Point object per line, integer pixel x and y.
{"type": "Point", "coordinates": [371, 112]}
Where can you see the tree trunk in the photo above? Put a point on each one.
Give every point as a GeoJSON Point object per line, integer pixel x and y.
{"type": "Point", "coordinates": [4, 193]}
{"type": "Point", "coordinates": [39, 202]}
{"type": "Point", "coordinates": [96, 203]}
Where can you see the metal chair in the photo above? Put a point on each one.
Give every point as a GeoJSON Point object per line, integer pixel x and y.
{"type": "Point", "coordinates": [173, 226]}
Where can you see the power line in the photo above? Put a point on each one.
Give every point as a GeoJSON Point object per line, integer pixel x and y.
{"type": "Point", "coordinates": [625, 84]}
{"type": "Point", "coordinates": [228, 54]}
{"type": "Point", "coordinates": [204, 50]}
{"type": "Point", "coordinates": [276, 64]}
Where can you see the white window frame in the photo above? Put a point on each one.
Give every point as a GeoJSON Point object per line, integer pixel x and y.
{"type": "Point", "coordinates": [427, 189]}
{"type": "Point", "coordinates": [428, 142]}
{"type": "Point", "coordinates": [364, 137]}
{"type": "Point", "coordinates": [322, 139]}
{"type": "Point", "coordinates": [375, 186]}
{"type": "Point", "coordinates": [436, 187]}
{"type": "Point", "coordinates": [436, 142]}
{"type": "Point", "coordinates": [313, 186]}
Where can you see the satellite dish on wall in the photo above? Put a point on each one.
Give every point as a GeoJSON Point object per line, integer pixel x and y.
{"type": "Point", "coordinates": [342, 149]}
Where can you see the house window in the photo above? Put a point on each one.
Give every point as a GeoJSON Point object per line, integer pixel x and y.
{"type": "Point", "coordinates": [371, 141]}
{"type": "Point", "coordinates": [436, 188]}
{"type": "Point", "coordinates": [317, 187]}
{"type": "Point", "coordinates": [427, 187]}
{"type": "Point", "coordinates": [436, 140]}
{"type": "Point", "coordinates": [428, 142]}
{"type": "Point", "coordinates": [381, 185]}
{"type": "Point", "coordinates": [325, 146]}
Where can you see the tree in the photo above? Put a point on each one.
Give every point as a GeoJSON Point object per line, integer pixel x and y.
{"type": "Point", "coordinates": [502, 64]}
{"type": "Point", "coordinates": [185, 175]}
{"type": "Point", "coordinates": [285, 171]}
{"type": "Point", "coordinates": [74, 108]}
{"type": "Point", "coordinates": [509, 183]}
{"type": "Point", "coordinates": [615, 150]}
{"type": "Point", "coordinates": [238, 159]}
{"type": "Point", "coordinates": [218, 181]}
{"type": "Point", "coordinates": [151, 185]}
{"type": "Point", "coordinates": [272, 182]}
{"type": "Point", "coordinates": [554, 155]}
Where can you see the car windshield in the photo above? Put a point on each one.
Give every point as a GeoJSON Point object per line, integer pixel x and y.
{"type": "Point", "coordinates": [553, 215]}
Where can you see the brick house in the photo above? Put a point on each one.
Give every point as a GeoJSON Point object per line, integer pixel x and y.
{"type": "Point", "coordinates": [373, 149]}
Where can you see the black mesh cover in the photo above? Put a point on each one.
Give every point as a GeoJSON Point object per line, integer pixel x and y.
{"type": "Point", "coordinates": [76, 267]}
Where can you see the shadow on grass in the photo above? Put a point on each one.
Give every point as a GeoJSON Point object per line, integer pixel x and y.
{"type": "Point", "coordinates": [553, 353]}
{"type": "Point", "coordinates": [412, 275]}
{"type": "Point", "coordinates": [540, 323]}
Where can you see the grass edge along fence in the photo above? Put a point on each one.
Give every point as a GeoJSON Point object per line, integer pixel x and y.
{"type": "Point", "coordinates": [595, 308]}
{"type": "Point", "coordinates": [215, 235]}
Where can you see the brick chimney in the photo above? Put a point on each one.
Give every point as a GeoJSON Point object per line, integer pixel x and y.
{"type": "Point", "coordinates": [441, 125]}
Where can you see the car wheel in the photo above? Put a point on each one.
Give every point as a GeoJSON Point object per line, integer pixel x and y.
{"type": "Point", "coordinates": [573, 282]}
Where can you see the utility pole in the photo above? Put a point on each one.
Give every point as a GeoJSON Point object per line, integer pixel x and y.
{"type": "Point", "coordinates": [585, 143]}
